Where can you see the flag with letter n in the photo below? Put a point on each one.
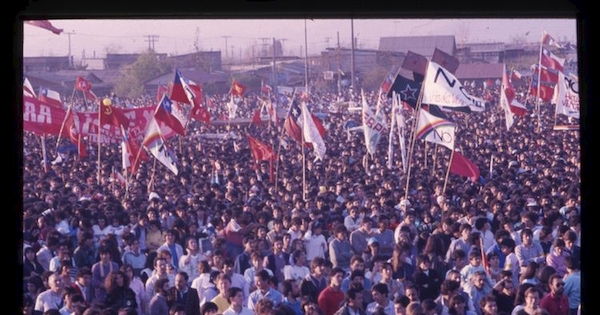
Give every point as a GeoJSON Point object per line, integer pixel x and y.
{"type": "Point", "coordinates": [442, 88]}
{"type": "Point", "coordinates": [435, 129]}
{"type": "Point", "coordinates": [566, 96]}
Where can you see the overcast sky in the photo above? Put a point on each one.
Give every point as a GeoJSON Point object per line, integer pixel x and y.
{"type": "Point", "coordinates": [96, 37]}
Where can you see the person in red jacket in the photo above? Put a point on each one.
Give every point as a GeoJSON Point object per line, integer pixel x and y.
{"type": "Point", "coordinates": [331, 298]}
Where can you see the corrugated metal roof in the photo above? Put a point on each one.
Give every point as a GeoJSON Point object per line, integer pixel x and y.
{"type": "Point", "coordinates": [196, 75]}
{"type": "Point", "coordinates": [424, 45]}
{"type": "Point", "coordinates": [486, 47]}
{"type": "Point", "coordinates": [479, 71]}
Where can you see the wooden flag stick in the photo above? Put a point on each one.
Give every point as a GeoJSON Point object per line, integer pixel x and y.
{"type": "Point", "coordinates": [448, 172]}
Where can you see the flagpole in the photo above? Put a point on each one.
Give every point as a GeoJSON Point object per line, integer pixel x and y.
{"type": "Point", "coordinates": [303, 161]}
{"type": "Point", "coordinates": [435, 149]}
{"type": "Point", "coordinates": [539, 83]}
{"type": "Point", "coordinates": [448, 172]}
{"type": "Point", "coordinates": [62, 126]}
{"type": "Point", "coordinates": [280, 140]}
{"type": "Point", "coordinates": [425, 155]}
{"type": "Point", "coordinates": [99, 145]}
{"type": "Point", "coordinates": [151, 182]}
{"type": "Point", "coordinates": [412, 137]}
{"type": "Point", "coordinates": [44, 155]}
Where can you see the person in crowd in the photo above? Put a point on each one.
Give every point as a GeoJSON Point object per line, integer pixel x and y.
{"type": "Point", "coordinates": [264, 289]}
{"type": "Point", "coordinates": [53, 297]}
{"type": "Point", "coordinates": [235, 297]}
{"type": "Point", "coordinates": [572, 287]}
{"type": "Point", "coordinates": [312, 285]}
{"type": "Point", "coordinates": [181, 293]}
{"type": "Point", "coordinates": [556, 302]}
{"type": "Point", "coordinates": [381, 300]}
{"type": "Point", "coordinates": [340, 249]}
{"type": "Point", "coordinates": [331, 298]}
{"type": "Point", "coordinates": [138, 287]}
{"type": "Point", "coordinates": [100, 271]}
{"type": "Point", "coordinates": [158, 303]}
{"type": "Point", "coordinates": [118, 292]}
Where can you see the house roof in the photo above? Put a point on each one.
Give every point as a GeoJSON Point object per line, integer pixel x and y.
{"type": "Point", "coordinates": [423, 45]}
{"type": "Point", "coordinates": [196, 75]}
{"type": "Point", "coordinates": [479, 71]}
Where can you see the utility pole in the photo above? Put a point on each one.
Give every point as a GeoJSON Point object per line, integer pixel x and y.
{"type": "Point", "coordinates": [352, 54]}
{"type": "Point", "coordinates": [273, 67]}
{"type": "Point", "coordinates": [264, 44]}
{"type": "Point", "coordinates": [151, 39]}
{"type": "Point", "coordinates": [70, 57]}
{"type": "Point", "coordinates": [226, 54]}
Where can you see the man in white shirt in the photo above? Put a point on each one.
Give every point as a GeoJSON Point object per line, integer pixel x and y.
{"type": "Point", "coordinates": [160, 268]}
{"type": "Point", "coordinates": [380, 300]}
{"type": "Point", "coordinates": [51, 298]}
{"type": "Point", "coordinates": [298, 270]}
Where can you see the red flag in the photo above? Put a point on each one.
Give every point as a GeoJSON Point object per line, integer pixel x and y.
{"type": "Point", "coordinates": [85, 86]}
{"type": "Point", "coordinates": [223, 116]}
{"type": "Point", "coordinates": [110, 115]}
{"type": "Point", "coordinates": [548, 75]}
{"type": "Point", "coordinates": [45, 24]}
{"type": "Point", "coordinates": [200, 113]}
{"type": "Point", "coordinates": [265, 88]}
{"type": "Point", "coordinates": [160, 92]}
{"type": "Point", "coordinates": [261, 151]}
{"type": "Point", "coordinates": [237, 88]}
{"type": "Point", "coordinates": [74, 133]}
{"type": "Point", "coordinates": [484, 260]}
{"type": "Point", "coordinates": [415, 62]}
{"type": "Point", "coordinates": [462, 166]}
{"type": "Point", "coordinates": [132, 154]}
{"type": "Point", "coordinates": [445, 60]}
{"type": "Point", "coordinates": [256, 118]}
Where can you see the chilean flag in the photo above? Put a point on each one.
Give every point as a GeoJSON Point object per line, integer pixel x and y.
{"type": "Point", "coordinates": [170, 114]}
{"type": "Point", "coordinates": [50, 97]}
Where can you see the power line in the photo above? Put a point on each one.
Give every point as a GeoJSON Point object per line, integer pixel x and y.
{"type": "Point", "coordinates": [151, 39]}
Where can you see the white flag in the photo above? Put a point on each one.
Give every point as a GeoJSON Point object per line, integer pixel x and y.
{"type": "Point", "coordinates": [373, 125]}
{"type": "Point", "coordinates": [391, 135]}
{"type": "Point", "coordinates": [401, 130]}
{"type": "Point", "coordinates": [311, 133]}
{"type": "Point", "coordinates": [435, 129]}
{"type": "Point", "coordinates": [154, 141]}
{"type": "Point", "coordinates": [566, 96]}
{"type": "Point", "coordinates": [231, 108]}
{"type": "Point", "coordinates": [28, 88]}
{"type": "Point", "coordinates": [442, 88]}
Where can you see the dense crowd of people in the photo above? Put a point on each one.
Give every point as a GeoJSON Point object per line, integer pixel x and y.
{"type": "Point", "coordinates": [338, 236]}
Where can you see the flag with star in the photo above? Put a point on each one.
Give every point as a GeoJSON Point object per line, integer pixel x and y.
{"type": "Point", "coordinates": [407, 89]}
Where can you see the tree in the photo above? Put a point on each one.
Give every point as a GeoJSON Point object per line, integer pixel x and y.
{"type": "Point", "coordinates": [373, 78]}
{"type": "Point", "coordinates": [133, 77]}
